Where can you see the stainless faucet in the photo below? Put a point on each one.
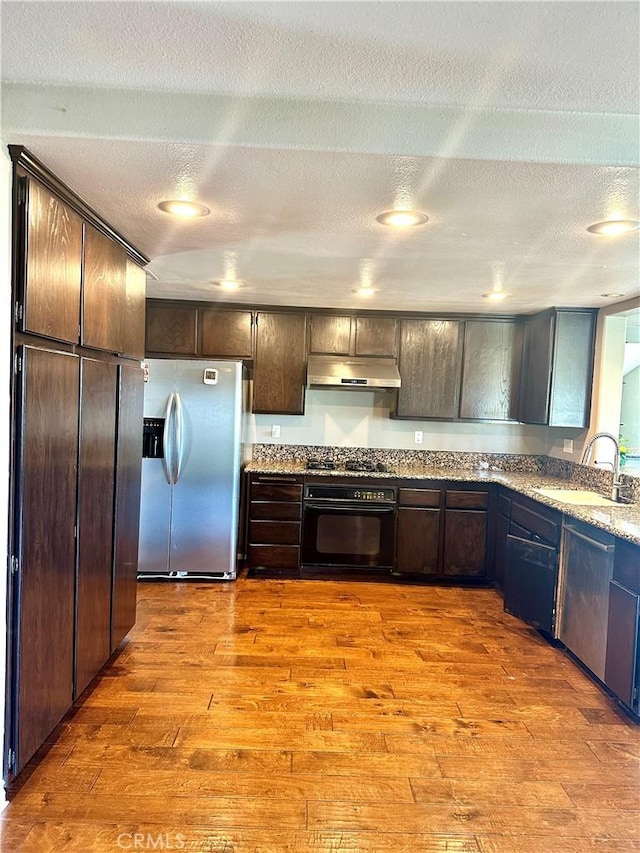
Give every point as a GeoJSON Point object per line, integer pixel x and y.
{"type": "Point", "coordinates": [586, 456]}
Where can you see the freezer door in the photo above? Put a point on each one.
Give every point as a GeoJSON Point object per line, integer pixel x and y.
{"type": "Point", "coordinates": [155, 501]}
{"type": "Point", "coordinates": [205, 498]}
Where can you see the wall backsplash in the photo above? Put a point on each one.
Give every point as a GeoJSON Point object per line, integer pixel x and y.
{"type": "Point", "coordinates": [352, 418]}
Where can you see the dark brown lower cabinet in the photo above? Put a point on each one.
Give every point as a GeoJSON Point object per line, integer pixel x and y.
{"type": "Point", "coordinates": [96, 460]}
{"type": "Point", "coordinates": [465, 533]}
{"type": "Point", "coordinates": [418, 531]}
{"type": "Point", "coordinates": [442, 532]}
{"type": "Point", "coordinates": [622, 668]}
{"type": "Point", "coordinates": [48, 396]}
{"type": "Point", "coordinates": [465, 537]}
{"type": "Point", "coordinates": [274, 522]}
{"type": "Point", "coordinates": [127, 501]}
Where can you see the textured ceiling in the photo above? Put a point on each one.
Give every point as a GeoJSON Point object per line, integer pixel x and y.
{"type": "Point", "coordinates": [512, 125]}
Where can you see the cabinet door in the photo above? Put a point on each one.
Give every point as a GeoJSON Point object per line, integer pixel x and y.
{"type": "Point", "coordinates": [465, 543]}
{"type": "Point", "coordinates": [104, 292]}
{"type": "Point", "coordinates": [226, 334]}
{"type": "Point", "coordinates": [51, 299]}
{"type": "Point", "coordinates": [500, 549]}
{"type": "Point", "coordinates": [572, 374]}
{"type": "Point", "coordinates": [46, 517]}
{"type": "Point", "coordinates": [530, 582]}
{"type": "Point", "coordinates": [134, 325]}
{"type": "Point", "coordinates": [127, 501]}
{"type": "Point", "coordinates": [536, 369]}
{"type": "Point", "coordinates": [622, 643]}
{"type": "Point", "coordinates": [171, 329]}
{"type": "Point", "coordinates": [376, 336]}
{"type": "Point", "coordinates": [280, 362]}
{"type": "Point", "coordinates": [429, 367]}
{"type": "Point", "coordinates": [95, 518]}
{"type": "Point", "coordinates": [329, 335]}
{"type": "Point", "coordinates": [418, 537]}
{"type": "Point", "coordinates": [490, 370]}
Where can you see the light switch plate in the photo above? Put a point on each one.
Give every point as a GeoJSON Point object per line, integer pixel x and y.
{"type": "Point", "coordinates": [568, 445]}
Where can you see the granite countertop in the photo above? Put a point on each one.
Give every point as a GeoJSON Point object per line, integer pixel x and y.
{"type": "Point", "coordinates": [621, 520]}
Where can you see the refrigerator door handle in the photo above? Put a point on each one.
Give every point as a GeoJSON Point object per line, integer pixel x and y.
{"type": "Point", "coordinates": [168, 442]}
{"type": "Point", "coordinates": [179, 438]}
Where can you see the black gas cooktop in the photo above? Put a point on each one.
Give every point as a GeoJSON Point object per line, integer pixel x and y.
{"type": "Point", "coordinates": [348, 465]}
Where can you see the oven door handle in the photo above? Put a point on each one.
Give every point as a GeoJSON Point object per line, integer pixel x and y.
{"type": "Point", "coordinates": [349, 507]}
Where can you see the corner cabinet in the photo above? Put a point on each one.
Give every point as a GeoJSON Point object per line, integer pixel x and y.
{"type": "Point", "coordinates": [279, 374]}
{"type": "Point", "coordinates": [557, 367]}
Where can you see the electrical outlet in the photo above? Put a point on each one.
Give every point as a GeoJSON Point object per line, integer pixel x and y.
{"type": "Point", "coordinates": [568, 445]}
{"type": "Point", "coordinates": [275, 431]}
{"type": "Point", "coordinates": [417, 436]}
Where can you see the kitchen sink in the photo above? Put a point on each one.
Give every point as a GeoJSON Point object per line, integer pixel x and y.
{"type": "Point", "coordinates": [577, 497]}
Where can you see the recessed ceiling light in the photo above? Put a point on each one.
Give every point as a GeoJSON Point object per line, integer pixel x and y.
{"type": "Point", "coordinates": [495, 295]}
{"type": "Point", "coordinates": [365, 291]}
{"type": "Point", "coordinates": [229, 283]}
{"type": "Point", "coordinates": [184, 209]}
{"type": "Point", "coordinates": [402, 218]}
{"type": "Point", "coordinates": [611, 295]}
{"type": "Point", "coordinates": [614, 226]}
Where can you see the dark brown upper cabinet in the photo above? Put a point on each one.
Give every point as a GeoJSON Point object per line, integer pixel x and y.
{"type": "Point", "coordinates": [280, 364]}
{"type": "Point", "coordinates": [134, 321]}
{"type": "Point", "coordinates": [226, 334]}
{"type": "Point", "coordinates": [171, 329]}
{"type": "Point", "coordinates": [376, 336]}
{"type": "Point", "coordinates": [491, 370]}
{"type": "Point", "coordinates": [53, 264]}
{"type": "Point", "coordinates": [429, 364]}
{"type": "Point", "coordinates": [104, 293]}
{"type": "Point", "coordinates": [331, 334]}
{"type": "Point", "coordinates": [557, 367]}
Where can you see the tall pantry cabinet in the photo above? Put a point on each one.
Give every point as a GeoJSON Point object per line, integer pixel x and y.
{"type": "Point", "coordinates": [78, 337]}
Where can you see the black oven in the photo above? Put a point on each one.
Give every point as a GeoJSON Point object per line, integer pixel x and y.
{"type": "Point", "coordinates": [347, 526]}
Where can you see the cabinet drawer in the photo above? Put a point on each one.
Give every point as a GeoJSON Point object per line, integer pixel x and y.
{"type": "Point", "coordinates": [538, 524]}
{"type": "Point", "coordinates": [419, 497]}
{"type": "Point", "coordinates": [276, 510]}
{"type": "Point", "coordinates": [275, 532]}
{"type": "Point", "coordinates": [467, 500]}
{"type": "Point", "coordinates": [274, 556]}
{"type": "Point", "coordinates": [276, 491]}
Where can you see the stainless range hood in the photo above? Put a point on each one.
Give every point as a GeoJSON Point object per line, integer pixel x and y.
{"type": "Point", "coordinates": [331, 371]}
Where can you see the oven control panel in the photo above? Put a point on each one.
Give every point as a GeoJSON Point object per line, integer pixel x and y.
{"type": "Point", "coordinates": [350, 493]}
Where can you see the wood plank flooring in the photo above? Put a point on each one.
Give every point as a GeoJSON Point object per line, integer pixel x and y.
{"type": "Point", "coordinates": [273, 716]}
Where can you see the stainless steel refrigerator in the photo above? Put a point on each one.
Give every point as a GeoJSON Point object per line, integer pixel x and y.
{"type": "Point", "coordinates": [194, 414]}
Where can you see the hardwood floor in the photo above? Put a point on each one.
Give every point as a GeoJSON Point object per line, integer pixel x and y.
{"type": "Point", "coordinates": [271, 716]}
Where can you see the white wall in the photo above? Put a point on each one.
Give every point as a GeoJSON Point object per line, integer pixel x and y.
{"type": "Point", "coordinates": [352, 418]}
{"type": "Point", "coordinates": [5, 385]}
